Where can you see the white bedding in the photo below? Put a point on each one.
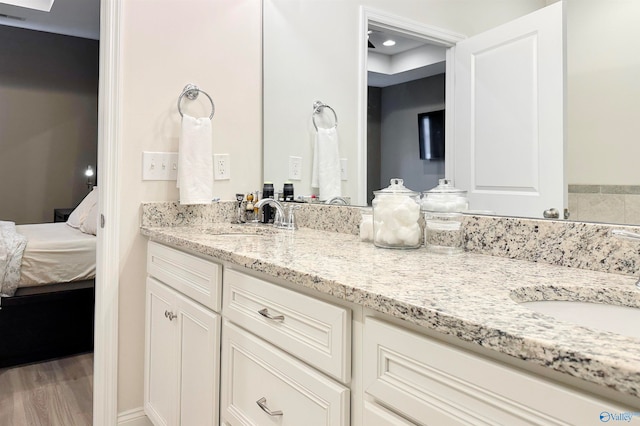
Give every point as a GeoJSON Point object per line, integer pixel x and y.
{"type": "Point", "coordinates": [56, 253]}
{"type": "Point", "coordinates": [12, 245]}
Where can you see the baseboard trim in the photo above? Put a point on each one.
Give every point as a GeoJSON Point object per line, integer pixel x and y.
{"type": "Point", "coordinates": [135, 417]}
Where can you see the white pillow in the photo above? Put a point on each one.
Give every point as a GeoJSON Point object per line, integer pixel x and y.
{"type": "Point", "coordinates": [90, 224]}
{"type": "Point", "coordinates": [78, 216]}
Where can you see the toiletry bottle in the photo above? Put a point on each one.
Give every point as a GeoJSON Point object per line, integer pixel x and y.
{"type": "Point", "coordinates": [249, 208]}
{"type": "Point", "coordinates": [267, 210]}
{"type": "Point", "coordinates": [288, 191]}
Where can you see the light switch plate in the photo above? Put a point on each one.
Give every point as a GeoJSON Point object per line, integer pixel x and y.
{"type": "Point", "coordinates": [159, 165]}
{"type": "Point", "coordinates": [221, 167]}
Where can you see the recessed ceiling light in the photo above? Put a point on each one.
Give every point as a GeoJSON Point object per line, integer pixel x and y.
{"type": "Point", "coordinates": [389, 43]}
{"type": "Point", "coordinates": [42, 5]}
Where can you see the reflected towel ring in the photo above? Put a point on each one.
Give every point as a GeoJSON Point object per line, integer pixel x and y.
{"type": "Point", "coordinates": [317, 108]}
{"type": "Point", "coordinates": [191, 91]}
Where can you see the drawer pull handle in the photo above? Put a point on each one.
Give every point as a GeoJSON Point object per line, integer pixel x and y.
{"type": "Point", "coordinates": [265, 313]}
{"type": "Point", "coordinates": [170, 315]}
{"type": "Point", "coordinates": [262, 403]}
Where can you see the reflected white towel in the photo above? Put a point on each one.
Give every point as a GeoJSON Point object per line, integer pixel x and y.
{"type": "Point", "coordinates": [195, 161]}
{"type": "Point", "coordinates": [326, 164]}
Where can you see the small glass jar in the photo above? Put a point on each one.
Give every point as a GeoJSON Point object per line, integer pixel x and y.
{"type": "Point", "coordinates": [366, 225]}
{"type": "Point", "coordinates": [396, 217]}
{"type": "Point", "coordinates": [442, 208]}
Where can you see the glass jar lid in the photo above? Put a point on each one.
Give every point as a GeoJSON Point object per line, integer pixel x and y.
{"type": "Point", "coordinates": [445, 198]}
{"type": "Point", "coordinates": [396, 187]}
{"type": "Point", "coordinates": [445, 186]}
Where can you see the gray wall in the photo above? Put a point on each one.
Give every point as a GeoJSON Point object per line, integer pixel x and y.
{"type": "Point", "coordinates": [374, 111]}
{"type": "Point", "coordinates": [399, 150]}
{"type": "Point", "coordinates": [48, 122]}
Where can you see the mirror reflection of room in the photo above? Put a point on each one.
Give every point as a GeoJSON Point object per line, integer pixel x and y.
{"type": "Point", "coordinates": [405, 92]}
{"type": "Point", "coordinates": [600, 183]}
{"type": "Point", "coordinates": [48, 218]}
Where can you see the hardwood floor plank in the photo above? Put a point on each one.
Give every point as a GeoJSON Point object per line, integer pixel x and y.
{"type": "Point", "coordinates": [51, 393]}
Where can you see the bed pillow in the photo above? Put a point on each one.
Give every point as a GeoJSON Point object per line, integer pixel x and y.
{"type": "Point", "coordinates": [90, 224]}
{"type": "Point", "coordinates": [78, 216]}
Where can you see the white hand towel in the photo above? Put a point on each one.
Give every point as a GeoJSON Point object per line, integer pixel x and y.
{"type": "Point", "coordinates": [326, 164]}
{"type": "Point", "coordinates": [195, 161]}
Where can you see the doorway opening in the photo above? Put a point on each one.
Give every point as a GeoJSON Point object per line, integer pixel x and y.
{"type": "Point", "coordinates": [397, 83]}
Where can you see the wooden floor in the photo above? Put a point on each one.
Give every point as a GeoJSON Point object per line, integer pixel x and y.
{"type": "Point", "coordinates": [51, 393]}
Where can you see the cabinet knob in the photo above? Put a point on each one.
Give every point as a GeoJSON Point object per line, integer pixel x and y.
{"type": "Point", "coordinates": [265, 313]}
{"type": "Point", "coordinates": [262, 403]}
{"type": "Point", "coordinates": [170, 315]}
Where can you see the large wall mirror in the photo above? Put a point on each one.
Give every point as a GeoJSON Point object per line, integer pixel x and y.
{"type": "Point", "coordinates": [312, 53]}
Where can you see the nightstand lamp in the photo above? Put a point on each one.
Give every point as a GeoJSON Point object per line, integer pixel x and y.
{"type": "Point", "coordinates": [89, 174]}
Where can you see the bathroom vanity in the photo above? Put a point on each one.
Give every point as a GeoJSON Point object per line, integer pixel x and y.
{"type": "Point", "coordinates": [314, 327]}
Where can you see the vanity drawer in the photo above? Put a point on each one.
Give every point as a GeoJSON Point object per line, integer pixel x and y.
{"type": "Point", "coordinates": [431, 382]}
{"type": "Point", "coordinates": [315, 331]}
{"type": "Point", "coordinates": [375, 415]}
{"type": "Point", "coordinates": [254, 372]}
{"type": "Point", "coordinates": [197, 278]}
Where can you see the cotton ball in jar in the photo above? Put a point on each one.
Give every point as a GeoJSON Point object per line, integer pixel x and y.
{"type": "Point", "coordinates": [410, 235]}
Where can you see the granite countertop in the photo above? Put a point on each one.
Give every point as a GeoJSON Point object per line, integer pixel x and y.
{"type": "Point", "coordinates": [470, 296]}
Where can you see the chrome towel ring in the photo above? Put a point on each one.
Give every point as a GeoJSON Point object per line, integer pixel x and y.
{"type": "Point", "coordinates": [191, 91]}
{"type": "Point", "coordinates": [317, 109]}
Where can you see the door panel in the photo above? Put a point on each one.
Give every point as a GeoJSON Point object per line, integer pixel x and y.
{"type": "Point", "coordinates": [509, 116]}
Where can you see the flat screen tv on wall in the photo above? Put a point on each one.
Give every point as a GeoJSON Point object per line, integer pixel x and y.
{"type": "Point", "coordinates": [431, 135]}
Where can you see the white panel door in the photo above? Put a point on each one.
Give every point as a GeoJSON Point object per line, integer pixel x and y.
{"type": "Point", "coordinates": [509, 116]}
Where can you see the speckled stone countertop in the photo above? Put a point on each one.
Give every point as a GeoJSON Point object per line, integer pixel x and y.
{"type": "Point", "coordinates": [470, 296]}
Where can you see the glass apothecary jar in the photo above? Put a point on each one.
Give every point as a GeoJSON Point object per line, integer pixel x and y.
{"type": "Point", "coordinates": [396, 217]}
{"type": "Point", "coordinates": [366, 225]}
{"type": "Point", "coordinates": [442, 208]}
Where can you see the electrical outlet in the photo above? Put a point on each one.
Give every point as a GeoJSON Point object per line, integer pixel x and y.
{"type": "Point", "coordinates": [343, 169]}
{"type": "Point", "coordinates": [221, 167]}
{"type": "Point", "coordinates": [159, 165]}
{"type": "Point", "coordinates": [295, 168]}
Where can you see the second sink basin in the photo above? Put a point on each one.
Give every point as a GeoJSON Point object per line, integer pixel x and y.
{"type": "Point", "coordinates": [622, 320]}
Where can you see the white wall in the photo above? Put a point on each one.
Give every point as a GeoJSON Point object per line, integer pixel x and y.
{"type": "Point", "coordinates": [311, 53]}
{"type": "Point", "coordinates": [603, 65]}
{"type": "Point", "coordinates": [165, 45]}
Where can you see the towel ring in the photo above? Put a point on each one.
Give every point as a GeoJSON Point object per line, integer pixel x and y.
{"type": "Point", "coordinates": [191, 91]}
{"type": "Point", "coordinates": [317, 108]}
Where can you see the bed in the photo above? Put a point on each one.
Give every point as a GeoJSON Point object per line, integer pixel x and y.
{"type": "Point", "coordinates": [50, 313]}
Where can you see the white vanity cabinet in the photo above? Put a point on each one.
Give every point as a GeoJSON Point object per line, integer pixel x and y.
{"type": "Point", "coordinates": [264, 352]}
{"type": "Point", "coordinates": [410, 378]}
{"type": "Point", "coordinates": [182, 338]}
{"type": "Point", "coordinates": [274, 371]}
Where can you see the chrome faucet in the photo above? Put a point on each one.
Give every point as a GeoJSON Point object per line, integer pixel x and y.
{"type": "Point", "coordinates": [280, 220]}
{"type": "Point", "coordinates": [337, 200]}
{"type": "Point", "coordinates": [627, 235]}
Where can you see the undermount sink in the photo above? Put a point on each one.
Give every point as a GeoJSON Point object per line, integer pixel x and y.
{"type": "Point", "coordinates": [622, 320]}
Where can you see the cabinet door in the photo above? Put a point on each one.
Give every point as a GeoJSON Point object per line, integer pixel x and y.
{"type": "Point", "coordinates": [199, 363]}
{"type": "Point", "coordinates": [160, 372]}
{"type": "Point", "coordinates": [181, 359]}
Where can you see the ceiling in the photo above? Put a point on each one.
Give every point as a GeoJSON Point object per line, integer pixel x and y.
{"type": "Point", "coordinates": [378, 36]}
{"type": "Point", "coordinates": [77, 18]}
{"type": "Point", "coordinates": [408, 47]}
